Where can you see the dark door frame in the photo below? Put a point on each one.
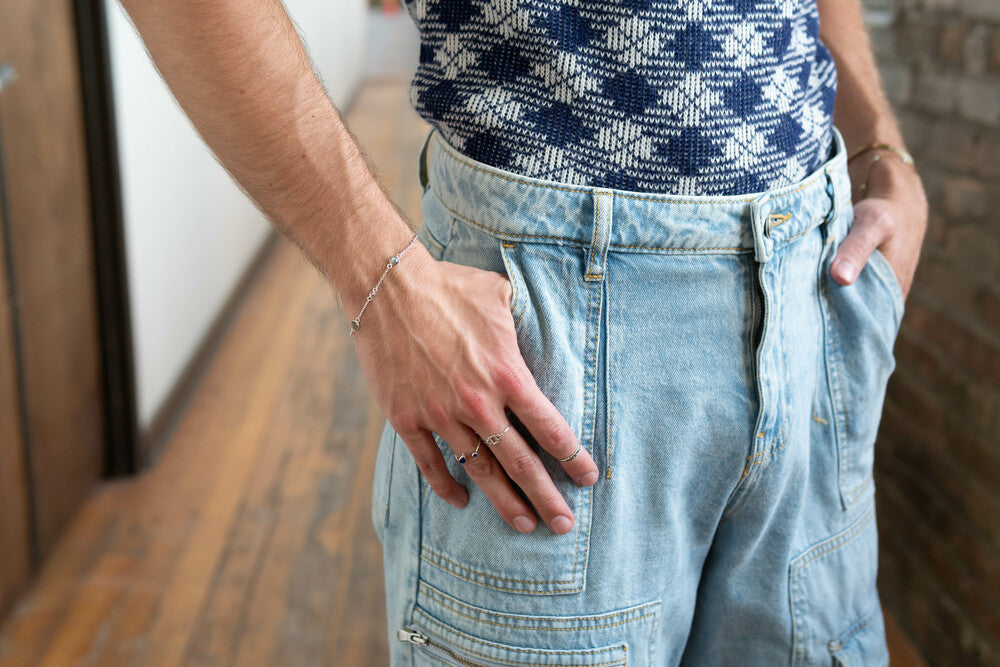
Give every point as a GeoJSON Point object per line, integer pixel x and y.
{"type": "Point", "coordinates": [122, 435]}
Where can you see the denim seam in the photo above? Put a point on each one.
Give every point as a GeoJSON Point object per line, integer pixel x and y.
{"type": "Point", "coordinates": [588, 491]}
{"type": "Point", "coordinates": [519, 591]}
{"type": "Point", "coordinates": [844, 452]}
{"type": "Point", "coordinates": [836, 542]}
{"type": "Point", "coordinates": [425, 488]}
{"type": "Point", "coordinates": [518, 298]}
{"type": "Point", "coordinates": [492, 576]}
{"type": "Point", "coordinates": [430, 239]}
{"type": "Point", "coordinates": [789, 413]}
{"type": "Point", "coordinates": [568, 653]}
{"type": "Point", "coordinates": [837, 644]}
{"type": "Point", "coordinates": [832, 353]}
{"type": "Point", "coordinates": [455, 604]}
{"type": "Point", "coordinates": [890, 283]}
{"type": "Point", "coordinates": [540, 619]}
{"type": "Point", "coordinates": [590, 368]}
{"type": "Point", "coordinates": [812, 554]}
{"type": "Point", "coordinates": [792, 238]}
{"type": "Point", "coordinates": [760, 452]}
{"type": "Point", "coordinates": [856, 492]}
{"type": "Point", "coordinates": [672, 249]}
{"type": "Point", "coordinates": [388, 479]}
{"type": "Point", "coordinates": [765, 454]}
{"type": "Point", "coordinates": [779, 194]}
{"type": "Point", "coordinates": [583, 243]}
{"type": "Point", "coordinates": [506, 234]}
{"type": "Point", "coordinates": [597, 229]}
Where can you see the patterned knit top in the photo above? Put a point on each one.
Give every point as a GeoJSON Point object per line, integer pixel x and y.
{"type": "Point", "coordinates": [682, 96]}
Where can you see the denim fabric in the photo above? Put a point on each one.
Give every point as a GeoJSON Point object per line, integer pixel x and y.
{"type": "Point", "coordinates": [729, 391]}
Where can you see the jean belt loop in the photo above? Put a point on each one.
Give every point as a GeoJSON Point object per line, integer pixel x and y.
{"type": "Point", "coordinates": [598, 253]}
{"type": "Point", "coordinates": [760, 221]}
{"type": "Point", "coordinates": [424, 180]}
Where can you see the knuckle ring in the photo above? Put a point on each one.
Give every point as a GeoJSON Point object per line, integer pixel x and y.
{"type": "Point", "coordinates": [571, 456]}
{"type": "Point", "coordinates": [462, 458]}
{"type": "Point", "coordinates": [496, 437]}
{"type": "Point", "coordinates": [489, 441]}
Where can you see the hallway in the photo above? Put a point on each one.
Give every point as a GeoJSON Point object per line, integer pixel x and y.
{"type": "Point", "coordinates": [249, 542]}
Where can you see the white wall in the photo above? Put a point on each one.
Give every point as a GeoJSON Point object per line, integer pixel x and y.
{"type": "Point", "coordinates": [189, 231]}
{"type": "Point", "coordinates": [393, 45]}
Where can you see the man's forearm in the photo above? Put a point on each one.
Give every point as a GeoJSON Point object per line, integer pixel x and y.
{"type": "Point", "coordinates": [862, 111]}
{"type": "Point", "coordinates": [240, 73]}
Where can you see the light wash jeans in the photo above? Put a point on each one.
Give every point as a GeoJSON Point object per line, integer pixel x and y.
{"type": "Point", "coordinates": [729, 391]}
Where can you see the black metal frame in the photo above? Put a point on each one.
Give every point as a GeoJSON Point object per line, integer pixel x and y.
{"type": "Point", "coordinates": [122, 430]}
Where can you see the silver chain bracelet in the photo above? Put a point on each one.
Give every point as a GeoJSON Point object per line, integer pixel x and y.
{"type": "Point", "coordinates": [393, 261]}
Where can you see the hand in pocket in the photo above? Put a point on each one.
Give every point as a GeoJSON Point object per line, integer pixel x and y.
{"type": "Point", "coordinates": [440, 353]}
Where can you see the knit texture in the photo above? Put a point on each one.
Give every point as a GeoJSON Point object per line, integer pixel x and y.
{"type": "Point", "coordinates": [714, 97]}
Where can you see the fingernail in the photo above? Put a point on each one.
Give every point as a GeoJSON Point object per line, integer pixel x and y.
{"type": "Point", "coordinates": [588, 479]}
{"type": "Point", "coordinates": [846, 270]}
{"type": "Point", "coordinates": [523, 524]}
{"type": "Point", "coordinates": [561, 524]}
{"type": "Point", "coordinates": [458, 503]}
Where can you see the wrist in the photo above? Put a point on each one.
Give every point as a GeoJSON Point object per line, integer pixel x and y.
{"type": "Point", "coordinates": [888, 177]}
{"type": "Point", "coordinates": [373, 232]}
{"type": "Point", "coordinates": [386, 285]}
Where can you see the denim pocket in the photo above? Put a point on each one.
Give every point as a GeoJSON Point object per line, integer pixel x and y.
{"type": "Point", "coordinates": [519, 299]}
{"type": "Point", "coordinates": [382, 479]}
{"type": "Point", "coordinates": [438, 225]}
{"type": "Point", "coordinates": [445, 630]}
{"type": "Point", "coordinates": [863, 644]}
{"type": "Point", "coordinates": [861, 321]}
{"type": "Point", "coordinates": [887, 274]}
{"type": "Point", "coordinates": [474, 544]}
{"type": "Point", "coordinates": [834, 599]}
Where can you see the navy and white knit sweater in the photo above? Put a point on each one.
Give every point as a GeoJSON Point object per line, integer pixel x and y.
{"type": "Point", "coordinates": [683, 96]}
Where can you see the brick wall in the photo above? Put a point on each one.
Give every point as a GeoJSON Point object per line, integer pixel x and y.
{"type": "Point", "coordinates": [938, 461]}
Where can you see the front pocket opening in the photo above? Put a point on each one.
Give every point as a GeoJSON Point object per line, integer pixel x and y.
{"type": "Point", "coordinates": [518, 299]}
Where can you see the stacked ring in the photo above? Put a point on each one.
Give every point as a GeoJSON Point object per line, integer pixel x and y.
{"type": "Point", "coordinates": [490, 441]}
{"type": "Point", "coordinates": [461, 458]}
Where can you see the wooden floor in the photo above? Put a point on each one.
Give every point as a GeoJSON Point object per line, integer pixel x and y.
{"type": "Point", "coordinates": [249, 543]}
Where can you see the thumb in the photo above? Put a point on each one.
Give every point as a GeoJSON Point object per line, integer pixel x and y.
{"type": "Point", "coordinates": [868, 231]}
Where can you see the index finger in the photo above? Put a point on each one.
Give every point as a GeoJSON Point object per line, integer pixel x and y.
{"type": "Point", "coordinates": [550, 429]}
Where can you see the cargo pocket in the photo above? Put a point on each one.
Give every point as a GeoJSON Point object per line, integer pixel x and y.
{"type": "Point", "coordinates": [474, 544]}
{"type": "Point", "coordinates": [833, 597]}
{"type": "Point", "coordinates": [447, 631]}
{"type": "Point", "coordinates": [861, 324]}
{"type": "Point", "coordinates": [863, 645]}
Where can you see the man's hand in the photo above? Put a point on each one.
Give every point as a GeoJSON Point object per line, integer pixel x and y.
{"type": "Point", "coordinates": [440, 354]}
{"type": "Point", "coordinates": [890, 215]}
{"type": "Point", "coordinates": [438, 345]}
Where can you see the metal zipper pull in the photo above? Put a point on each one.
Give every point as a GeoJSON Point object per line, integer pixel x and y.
{"type": "Point", "coordinates": [412, 636]}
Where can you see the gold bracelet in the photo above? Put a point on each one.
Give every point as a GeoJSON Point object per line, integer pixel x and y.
{"type": "Point", "coordinates": [878, 145]}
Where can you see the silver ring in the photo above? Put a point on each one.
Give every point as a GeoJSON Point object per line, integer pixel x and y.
{"type": "Point", "coordinates": [571, 456]}
{"type": "Point", "coordinates": [495, 438]}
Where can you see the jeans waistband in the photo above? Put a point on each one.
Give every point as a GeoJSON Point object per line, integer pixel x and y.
{"type": "Point", "coordinates": [519, 208]}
